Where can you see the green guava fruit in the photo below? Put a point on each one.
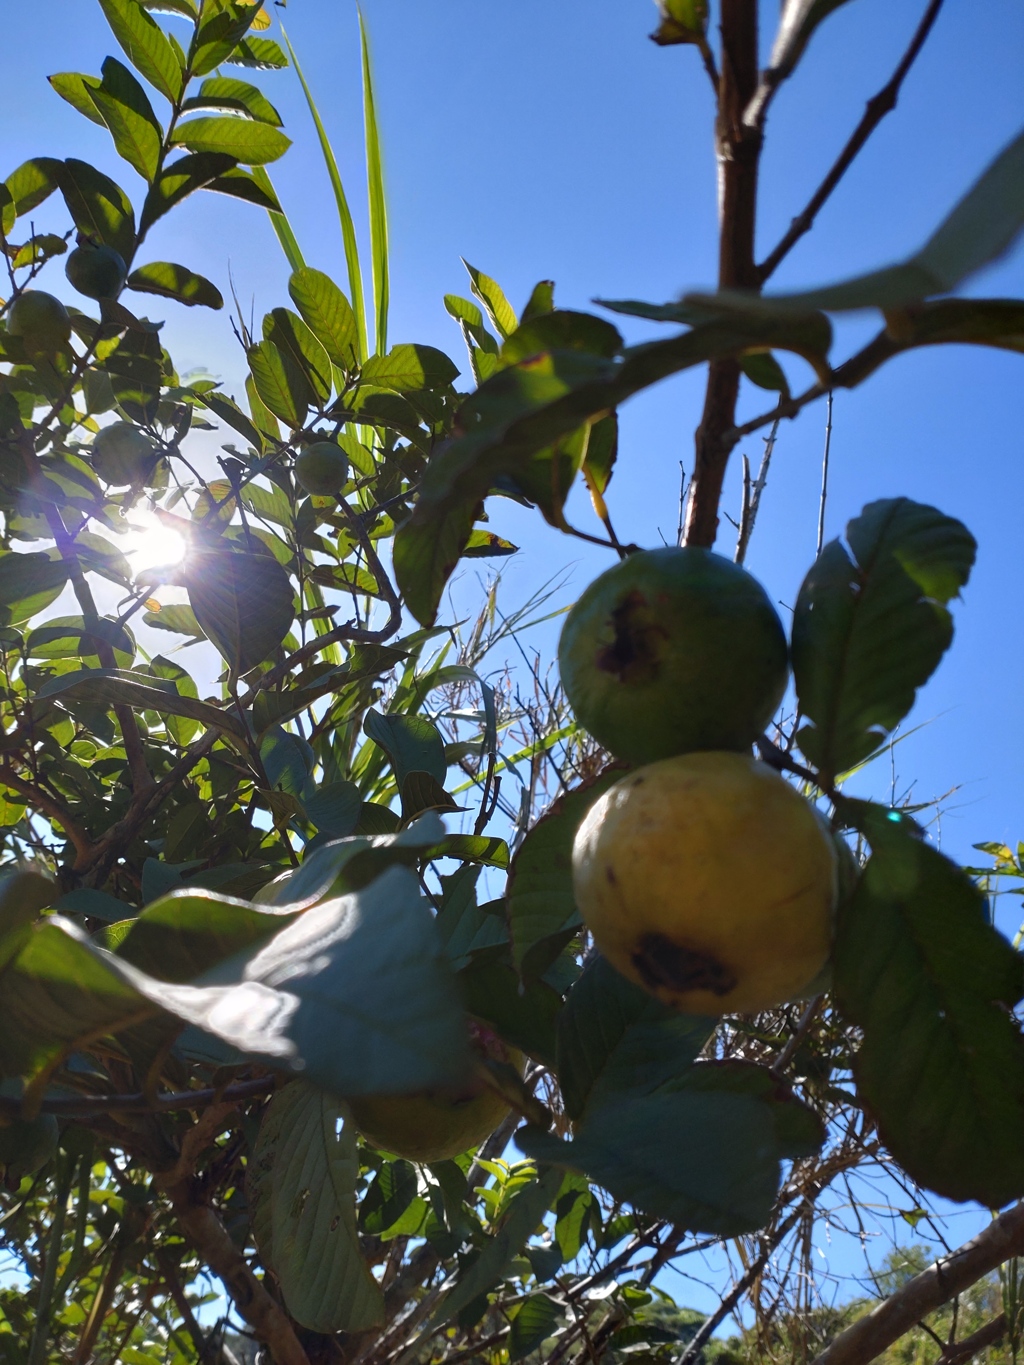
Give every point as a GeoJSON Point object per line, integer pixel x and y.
{"type": "Point", "coordinates": [25, 1145]}
{"type": "Point", "coordinates": [438, 1125]}
{"type": "Point", "coordinates": [708, 880]}
{"type": "Point", "coordinates": [121, 454]}
{"type": "Point", "coordinates": [671, 651]}
{"type": "Point", "coordinates": [40, 320]}
{"type": "Point", "coordinates": [98, 272]}
{"type": "Point", "coordinates": [322, 468]}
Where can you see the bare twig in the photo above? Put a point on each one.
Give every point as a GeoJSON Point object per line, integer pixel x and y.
{"type": "Point", "coordinates": [967, 1348]}
{"type": "Point", "coordinates": [83, 1105]}
{"type": "Point", "coordinates": [877, 108]}
{"type": "Point", "coordinates": [824, 473]}
{"type": "Point", "coordinates": [752, 494]}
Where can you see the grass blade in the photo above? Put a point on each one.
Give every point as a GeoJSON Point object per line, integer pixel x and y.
{"type": "Point", "coordinates": [279, 222]}
{"type": "Point", "coordinates": [377, 201]}
{"type": "Point", "coordinates": [348, 230]}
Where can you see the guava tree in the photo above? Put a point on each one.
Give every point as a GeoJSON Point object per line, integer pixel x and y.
{"type": "Point", "coordinates": [262, 1026]}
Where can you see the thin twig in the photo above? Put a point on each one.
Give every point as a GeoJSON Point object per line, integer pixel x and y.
{"type": "Point", "coordinates": [824, 473]}
{"type": "Point", "coordinates": [158, 1104]}
{"type": "Point", "coordinates": [877, 107]}
{"type": "Point", "coordinates": [752, 504]}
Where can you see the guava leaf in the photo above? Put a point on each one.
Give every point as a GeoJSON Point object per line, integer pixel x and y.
{"type": "Point", "coordinates": [525, 1211]}
{"type": "Point", "coordinates": [542, 909]}
{"type": "Point", "coordinates": [524, 1016]}
{"type": "Point", "coordinates": [613, 1036]}
{"type": "Point", "coordinates": [412, 743]}
{"type": "Point", "coordinates": [243, 602]}
{"type": "Point", "coordinates": [871, 625]}
{"type": "Point", "coordinates": [705, 1151]}
{"type": "Point", "coordinates": [301, 1188]}
{"type": "Point", "coordinates": [932, 986]}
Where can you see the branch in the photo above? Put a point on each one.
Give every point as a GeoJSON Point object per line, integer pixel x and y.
{"type": "Point", "coordinates": [877, 107]}
{"type": "Point", "coordinates": [54, 810]}
{"type": "Point", "coordinates": [264, 1315]}
{"type": "Point", "coordinates": [951, 1275]}
{"type": "Point", "coordinates": [738, 149]}
{"type": "Point", "coordinates": [84, 1105]}
{"type": "Point", "coordinates": [969, 1347]}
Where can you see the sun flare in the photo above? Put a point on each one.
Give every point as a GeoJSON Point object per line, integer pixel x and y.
{"type": "Point", "coordinates": [150, 544]}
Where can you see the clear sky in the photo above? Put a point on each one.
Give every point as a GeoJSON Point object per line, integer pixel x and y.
{"type": "Point", "coordinates": [551, 139]}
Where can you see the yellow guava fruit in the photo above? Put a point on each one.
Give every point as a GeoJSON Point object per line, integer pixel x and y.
{"type": "Point", "coordinates": [672, 651]}
{"type": "Point", "coordinates": [437, 1125]}
{"type": "Point", "coordinates": [709, 881]}
{"type": "Point", "coordinates": [41, 321]}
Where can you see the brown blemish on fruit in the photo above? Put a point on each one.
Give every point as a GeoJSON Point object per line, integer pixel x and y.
{"type": "Point", "coordinates": [663, 963]}
{"type": "Point", "coordinates": [610, 877]}
{"type": "Point", "coordinates": [634, 653]}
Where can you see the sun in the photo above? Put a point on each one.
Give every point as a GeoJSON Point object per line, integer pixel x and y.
{"type": "Point", "coordinates": [150, 544]}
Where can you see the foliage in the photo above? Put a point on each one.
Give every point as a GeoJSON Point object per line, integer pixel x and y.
{"type": "Point", "coordinates": [221, 915]}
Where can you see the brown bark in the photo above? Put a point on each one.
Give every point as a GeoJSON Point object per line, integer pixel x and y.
{"type": "Point", "coordinates": [264, 1315]}
{"type": "Point", "coordinates": [867, 1338]}
{"type": "Point", "coordinates": [738, 149]}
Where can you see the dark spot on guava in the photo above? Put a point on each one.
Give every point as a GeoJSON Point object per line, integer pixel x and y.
{"type": "Point", "coordinates": [634, 655]}
{"type": "Point", "coordinates": [661, 962]}
{"type": "Point", "coordinates": [610, 876]}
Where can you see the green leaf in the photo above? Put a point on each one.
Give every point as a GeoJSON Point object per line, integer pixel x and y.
{"type": "Point", "coordinates": [705, 1152]}
{"type": "Point", "coordinates": [409, 368]}
{"type": "Point", "coordinates": [525, 1016]}
{"type": "Point", "coordinates": [499, 310]}
{"type": "Point", "coordinates": [412, 743]}
{"type": "Point", "coordinates": [77, 90]}
{"type": "Point", "coordinates": [932, 986]}
{"type": "Point", "coordinates": [301, 350]}
{"type": "Point", "coordinates": [301, 1189]}
{"type": "Point", "coordinates": [562, 330]}
{"type": "Point", "coordinates": [175, 282]}
{"type": "Point", "coordinates": [28, 187]}
{"type": "Point", "coordinates": [125, 108]}
{"type": "Point", "coordinates": [243, 601]}
{"type": "Point", "coordinates": [390, 1196]}
{"type": "Point", "coordinates": [356, 992]}
{"type": "Point", "coordinates": [254, 144]}
{"type": "Point", "coordinates": [348, 230]}
{"type": "Point", "coordinates": [327, 313]}
{"type": "Point", "coordinates": [23, 893]}
{"type": "Point", "coordinates": [114, 687]}
{"type": "Point", "coordinates": [280, 383]}
{"type": "Point", "coordinates": [613, 1036]}
{"type": "Point", "coordinates": [981, 322]}
{"type": "Point", "coordinates": [263, 54]}
{"type": "Point", "coordinates": [378, 209]}
{"type": "Point", "coordinates": [186, 932]}
{"type": "Point", "coordinates": [145, 44]}
{"type": "Point", "coordinates": [194, 171]}
{"type": "Point", "coordinates": [762, 369]}
{"type": "Point", "coordinates": [541, 300]}
{"type": "Point", "coordinates": [870, 627]}
{"type": "Point", "coordinates": [682, 21]}
{"type": "Point", "coordinates": [135, 370]}
{"type": "Point", "coordinates": [99, 207]}
{"type": "Point", "coordinates": [222, 28]}
{"type": "Point", "coordinates": [178, 618]}
{"type": "Point", "coordinates": [465, 927]}
{"type": "Point", "coordinates": [228, 411]}
{"type": "Point", "coordinates": [28, 583]}
{"type": "Point", "coordinates": [525, 1211]}
{"type": "Point", "coordinates": [335, 809]}
{"type": "Point", "coordinates": [542, 909]}
{"type": "Point", "coordinates": [224, 92]}
{"type": "Point", "coordinates": [485, 544]}
{"type": "Point", "coordinates": [526, 408]}
{"type": "Point", "coordinates": [351, 864]}
{"type": "Point", "coordinates": [536, 1319]}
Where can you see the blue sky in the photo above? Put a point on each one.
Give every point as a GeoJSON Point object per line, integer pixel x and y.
{"type": "Point", "coordinates": [551, 139]}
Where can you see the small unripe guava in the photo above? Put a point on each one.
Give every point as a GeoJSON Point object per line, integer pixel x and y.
{"type": "Point", "coordinates": [40, 320]}
{"type": "Point", "coordinates": [710, 881]}
{"type": "Point", "coordinates": [98, 272]}
{"type": "Point", "coordinates": [438, 1125]}
{"type": "Point", "coordinates": [121, 454]}
{"type": "Point", "coordinates": [322, 468]}
{"type": "Point", "coordinates": [25, 1145]}
{"type": "Point", "coordinates": [673, 650]}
